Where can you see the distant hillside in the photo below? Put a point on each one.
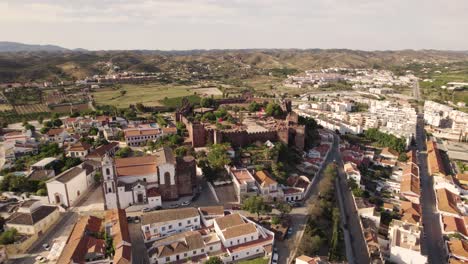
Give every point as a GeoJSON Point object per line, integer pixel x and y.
{"type": "Point", "coordinates": [6, 46]}
{"type": "Point", "coordinates": [219, 64]}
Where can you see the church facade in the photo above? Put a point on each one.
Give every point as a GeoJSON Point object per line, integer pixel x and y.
{"type": "Point", "coordinates": [147, 180]}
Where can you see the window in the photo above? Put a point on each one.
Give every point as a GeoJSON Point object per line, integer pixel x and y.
{"type": "Point", "coordinates": [194, 252]}
{"type": "Point", "coordinates": [144, 179]}
{"type": "Point", "coordinates": [168, 258]}
{"type": "Point", "coordinates": [248, 253]}
{"type": "Point", "coordinates": [170, 226]}
{"type": "Point", "coordinates": [245, 239]}
{"type": "Point", "coordinates": [195, 220]}
{"type": "Point", "coordinates": [188, 222]}
{"type": "Point", "coordinates": [258, 250]}
{"type": "Point", "coordinates": [185, 254]}
{"type": "Point", "coordinates": [251, 237]}
{"type": "Point", "coordinates": [107, 171]}
{"type": "Point", "coordinates": [163, 228]}
{"type": "Point", "coordinates": [231, 243]}
{"type": "Point", "coordinates": [180, 224]}
{"type": "Point", "coordinates": [211, 248]}
{"type": "Point", "coordinates": [202, 250]}
{"type": "Point", "coordinates": [238, 241]}
{"type": "Point", "coordinates": [110, 190]}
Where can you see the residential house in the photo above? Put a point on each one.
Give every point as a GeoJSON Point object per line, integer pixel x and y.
{"type": "Point", "coordinates": [449, 203]}
{"type": "Point", "coordinates": [410, 212]}
{"type": "Point", "coordinates": [103, 150]}
{"type": "Point", "coordinates": [79, 150]}
{"type": "Point", "coordinates": [18, 136]}
{"type": "Point", "coordinates": [84, 245]}
{"type": "Point", "coordinates": [457, 249]}
{"type": "Point", "coordinates": [33, 218]}
{"type": "Point", "coordinates": [434, 160]}
{"type": "Point", "coordinates": [56, 135]}
{"type": "Point", "coordinates": [389, 153]}
{"type": "Point", "coordinates": [209, 213]}
{"type": "Point", "coordinates": [352, 172]}
{"type": "Point", "coordinates": [452, 225]}
{"type": "Point", "coordinates": [158, 224]}
{"type": "Point", "coordinates": [267, 186]}
{"type": "Point", "coordinates": [244, 182]}
{"type": "Point", "coordinates": [405, 243]}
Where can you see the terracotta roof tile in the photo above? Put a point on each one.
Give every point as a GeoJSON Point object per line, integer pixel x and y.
{"type": "Point", "coordinates": [447, 201]}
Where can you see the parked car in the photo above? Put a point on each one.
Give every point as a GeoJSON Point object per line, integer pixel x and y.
{"type": "Point", "coordinates": [274, 258]}
{"type": "Point", "coordinates": [186, 203]}
{"type": "Point", "coordinates": [129, 219]}
{"type": "Point", "coordinates": [46, 246]}
{"type": "Point", "coordinates": [136, 219]}
{"type": "Point", "coordinates": [195, 197]}
{"type": "Point", "coordinates": [157, 208]}
{"type": "Point", "coordinates": [172, 206]}
{"type": "Point", "coordinates": [146, 209]}
{"type": "Point", "coordinates": [289, 233]}
{"type": "Point", "coordinates": [41, 259]}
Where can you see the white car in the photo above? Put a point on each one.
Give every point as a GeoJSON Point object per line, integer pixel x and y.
{"type": "Point", "coordinates": [274, 259]}
{"type": "Point", "coordinates": [186, 203]}
{"type": "Point", "coordinates": [46, 246]}
{"type": "Point", "coordinates": [41, 259]}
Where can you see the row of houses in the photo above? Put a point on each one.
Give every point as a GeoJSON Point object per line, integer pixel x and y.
{"type": "Point", "coordinates": [197, 234]}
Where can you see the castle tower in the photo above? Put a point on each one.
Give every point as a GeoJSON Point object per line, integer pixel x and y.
{"type": "Point", "coordinates": [109, 183]}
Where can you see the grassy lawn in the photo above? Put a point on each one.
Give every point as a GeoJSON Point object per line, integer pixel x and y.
{"type": "Point", "coordinates": [148, 94]}
{"type": "Point", "coordinates": [255, 261]}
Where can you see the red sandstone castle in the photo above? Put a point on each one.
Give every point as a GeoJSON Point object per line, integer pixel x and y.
{"type": "Point", "coordinates": [286, 130]}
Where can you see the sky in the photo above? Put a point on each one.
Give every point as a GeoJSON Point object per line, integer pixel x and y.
{"type": "Point", "coordinates": [237, 24]}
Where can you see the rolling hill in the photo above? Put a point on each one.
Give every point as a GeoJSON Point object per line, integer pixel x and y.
{"type": "Point", "coordinates": [30, 65]}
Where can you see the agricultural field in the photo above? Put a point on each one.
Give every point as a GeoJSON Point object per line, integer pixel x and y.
{"type": "Point", "coordinates": [147, 94]}
{"type": "Point", "coordinates": [31, 108]}
{"type": "Point", "coordinates": [210, 91]}
{"type": "Point", "coordinates": [5, 107]}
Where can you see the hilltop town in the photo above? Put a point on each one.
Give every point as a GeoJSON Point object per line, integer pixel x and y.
{"type": "Point", "coordinates": [235, 162]}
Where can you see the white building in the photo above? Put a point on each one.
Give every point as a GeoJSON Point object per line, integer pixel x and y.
{"type": "Point", "coordinates": [158, 224]}
{"type": "Point", "coordinates": [352, 172]}
{"type": "Point", "coordinates": [405, 243]}
{"type": "Point", "coordinates": [231, 238]}
{"type": "Point", "coordinates": [69, 186]}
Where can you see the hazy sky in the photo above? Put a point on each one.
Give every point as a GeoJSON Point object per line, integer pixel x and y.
{"type": "Point", "coordinates": [221, 24]}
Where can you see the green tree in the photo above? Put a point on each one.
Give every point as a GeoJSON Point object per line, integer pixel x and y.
{"type": "Point", "coordinates": [98, 177]}
{"type": "Point", "coordinates": [181, 151]}
{"type": "Point", "coordinates": [273, 109]}
{"type": "Point", "coordinates": [256, 205]}
{"type": "Point", "coordinates": [284, 208]}
{"type": "Point", "coordinates": [93, 131]}
{"type": "Point", "coordinates": [123, 92]}
{"type": "Point", "coordinates": [218, 157]}
{"type": "Point", "coordinates": [30, 127]}
{"type": "Point", "coordinates": [9, 236]}
{"type": "Point", "coordinates": [123, 152]}
{"type": "Point", "coordinates": [254, 107]}
{"type": "Point", "coordinates": [41, 192]}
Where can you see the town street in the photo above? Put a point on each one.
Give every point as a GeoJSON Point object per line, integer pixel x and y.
{"type": "Point", "coordinates": [351, 217]}
{"type": "Point", "coordinates": [432, 241]}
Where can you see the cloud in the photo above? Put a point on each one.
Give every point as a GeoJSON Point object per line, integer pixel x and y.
{"type": "Point", "coordinates": [364, 24]}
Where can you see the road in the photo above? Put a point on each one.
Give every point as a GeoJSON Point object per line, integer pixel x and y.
{"type": "Point", "coordinates": [356, 248]}
{"type": "Point", "coordinates": [416, 90]}
{"type": "Point", "coordinates": [61, 229]}
{"type": "Point", "coordinates": [433, 240]}
{"type": "Point", "coordinates": [351, 217]}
